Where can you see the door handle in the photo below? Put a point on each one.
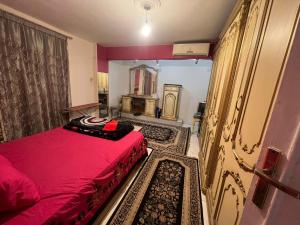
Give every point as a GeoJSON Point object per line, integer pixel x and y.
{"type": "Point", "coordinates": [277, 184]}
{"type": "Point", "coordinates": [265, 175]}
{"type": "Point", "coordinates": [266, 179]}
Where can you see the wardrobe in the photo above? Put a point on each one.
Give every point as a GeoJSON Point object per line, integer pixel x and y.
{"type": "Point", "coordinates": [171, 101]}
{"type": "Point", "coordinates": [247, 68]}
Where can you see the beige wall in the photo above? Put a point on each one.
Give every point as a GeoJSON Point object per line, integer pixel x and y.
{"type": "Point", "coordinates": [194, 81]}
{"type": "Point", "coordinates": [118, 81]}
{"type": "Point", "coordinates": [82, 63]}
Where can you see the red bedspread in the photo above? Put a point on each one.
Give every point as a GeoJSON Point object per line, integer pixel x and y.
{"type": "Point", "coordinates": [75, 173]}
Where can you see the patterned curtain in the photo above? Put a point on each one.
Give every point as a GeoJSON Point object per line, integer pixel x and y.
{"type": "Point", "coordinates": [34, 77]}
{"type": "Point", "coordinates": [1, 133]}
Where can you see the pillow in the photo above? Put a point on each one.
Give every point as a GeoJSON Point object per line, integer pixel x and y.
{"type": "Point", "coordinates": [17, 191]}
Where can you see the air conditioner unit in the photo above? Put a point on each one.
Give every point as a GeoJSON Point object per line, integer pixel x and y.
{"type": "Point", "coordinates": [195, 49]}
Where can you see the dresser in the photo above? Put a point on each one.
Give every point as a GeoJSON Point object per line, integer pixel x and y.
{"type": "Point", "coordinates": [141, 99]}
{"type": "Point", "coordinates": [126, 104]}
{"type": "Point", "coordinates": [171, 100]}
{"type": "Point", "coordinates": [145, 105]}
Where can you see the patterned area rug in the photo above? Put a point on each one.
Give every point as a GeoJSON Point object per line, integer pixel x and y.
{"type": "Point", "coordinates": [166, 191]}
{"type": "Point", "coordinates": [162, 137]}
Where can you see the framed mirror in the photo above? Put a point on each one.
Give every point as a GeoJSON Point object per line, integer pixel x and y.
{"type": "Point", "coordinates": [143, 80]}
{"type": "Point", "coordinates": [103, 93]}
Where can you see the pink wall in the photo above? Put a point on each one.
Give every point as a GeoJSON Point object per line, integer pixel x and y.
{"type": "Point", "coordinates": [284, 133]}
{"type": "Point", "coordinates": [102, 62]}
{"type": "Point", "coordinates": [150, 52]}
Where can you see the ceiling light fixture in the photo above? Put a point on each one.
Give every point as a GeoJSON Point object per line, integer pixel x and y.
{"type": "Point", "coordinates": [146, 30]}
{"type": "Point", "coordinates": [146, 6]}
{"type": "Point", "coordinates": [154, 4]}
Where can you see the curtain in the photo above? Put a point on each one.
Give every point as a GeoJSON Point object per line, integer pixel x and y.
{"type": "Point", "coordinates": [1, 134]}
{"type": "Point", "coordinates": [34, 77]}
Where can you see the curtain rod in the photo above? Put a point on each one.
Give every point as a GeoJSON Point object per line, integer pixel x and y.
{"type": "Point", "coordinates": [31, 24]}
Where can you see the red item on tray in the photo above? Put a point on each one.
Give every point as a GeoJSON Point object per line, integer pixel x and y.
{"type": "Point", "coordinates": [111, 126]}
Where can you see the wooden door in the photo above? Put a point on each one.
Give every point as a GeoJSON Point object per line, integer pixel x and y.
{"type": "Point", "coordinates": [249, 103]}
{"type": "Point", "coordinates": [221, 79]}
{"type": "Point", "coordinates": [229, 184]}
{"type": "Point", "coordinates": [171, 98]}
{"type": "Point", "coordinates": [283, 133]}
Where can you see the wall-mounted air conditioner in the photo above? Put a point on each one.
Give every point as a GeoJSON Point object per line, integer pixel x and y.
{"type": "Point", "coordinates": [191, 49]}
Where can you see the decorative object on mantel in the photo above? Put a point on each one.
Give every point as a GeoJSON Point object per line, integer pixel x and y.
{"type": "Point", "coordinates": [142, 98]}
{"type": "Point", "coordinates": [171, 101]}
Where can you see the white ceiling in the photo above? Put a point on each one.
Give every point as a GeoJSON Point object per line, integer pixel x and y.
{"type": "Point", "coordinates": [118, 22]}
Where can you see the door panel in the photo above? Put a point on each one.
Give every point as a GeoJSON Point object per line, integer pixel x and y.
{"type": "Point", "coordinates": [227, 192]}
{"type": "Point", "coordinates": [240, 103]}
{"type": "Point", "coordinates": [230, 200]}
{"type": "Point", "coordinates": [239, 180]}
{"type": "Point", "coordinates": [248, 50]}
{"type": "Point", "coordinates": [126, 104]}
{"type": "Point", "coordinates": [170, 100]}
{"type": "Point", "coordinates": [218, 174]}
{"type": "Point", "coordinates": [226, 60]}
{"type": "Point", "coordinates": [282, 130]}
{"type": "Point", "coordinates": [150, 107]}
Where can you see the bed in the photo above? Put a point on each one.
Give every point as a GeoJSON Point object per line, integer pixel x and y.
{"type": "Point", "coordinates": [74, 173]}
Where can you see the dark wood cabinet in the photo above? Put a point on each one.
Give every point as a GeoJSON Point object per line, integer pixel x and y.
{"type": "Point", "coordinates": [103, 107]}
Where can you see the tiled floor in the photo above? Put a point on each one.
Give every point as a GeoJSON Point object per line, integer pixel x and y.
{"type": "Point", "coordinates": [193, 151]}
{"type": "Point", "coordinates": [106, 213]}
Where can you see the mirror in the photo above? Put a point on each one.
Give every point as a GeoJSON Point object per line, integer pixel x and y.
{"type": "Point", "coordinates": [103, 94]}
{"type": "Point", "coordinates": [143, 80]}
{"type": "Point", "coordinates": [103, 82]}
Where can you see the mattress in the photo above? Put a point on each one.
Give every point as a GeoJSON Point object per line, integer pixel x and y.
{"type": "Point", "coordinates": [75, 174]}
